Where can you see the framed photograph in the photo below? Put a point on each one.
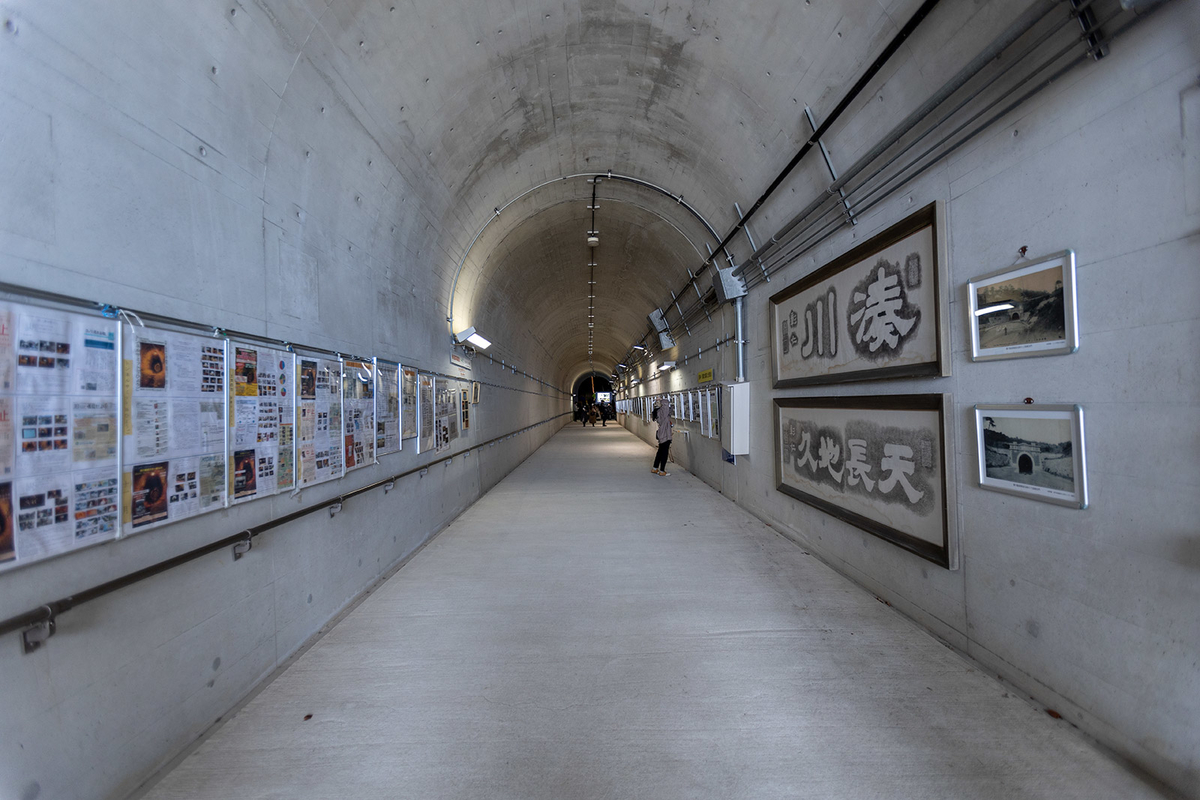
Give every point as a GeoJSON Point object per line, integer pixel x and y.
{"type": "Point", "coordinates": [1027, 310]}
{"type": "Point", "coordinates": [879, 311]}
{"type": "Point", "coordinates": [1034, 451]}
{"type": "Point", "coordinates": [878, 462]}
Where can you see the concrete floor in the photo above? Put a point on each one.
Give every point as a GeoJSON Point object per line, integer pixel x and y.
{"type": "Point", "coordinates": [590, 630]}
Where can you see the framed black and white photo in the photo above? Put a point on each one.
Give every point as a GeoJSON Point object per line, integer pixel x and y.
{"type": "Point", "coordinates": [879, 462]}
{"type": "Point", "coordinates": [1026, 310]}
{"type": "Point", "coordinates": [878, 311]}
{"type": "Point", "coordinates": [1034, 451]}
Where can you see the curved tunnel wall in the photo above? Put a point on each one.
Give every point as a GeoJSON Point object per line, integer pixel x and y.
{"type": "Point", "coordinates": [316, 172]}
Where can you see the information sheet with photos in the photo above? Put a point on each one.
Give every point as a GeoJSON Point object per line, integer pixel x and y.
{"type": "Point", "coordinates": [466, 410]}
{"type": "Point", "coordinates": [58, 432]}
{"type": "Point", "coordinates": [425, 415]}
{"type": "Point", "coordinates": [358, 413]}
{"type": "Point", "coordinates": [261, 421]}
{"type": "Point", "coordinates": [174, 453]}
{"type": "Point", "coordinates": [387, 407]}
{"type": "Point", "coordinates": [445, 414]}
{"type": "Point", "coordinates": [318, 419]}
{"type": "Point", "coordinates": [408, 403]}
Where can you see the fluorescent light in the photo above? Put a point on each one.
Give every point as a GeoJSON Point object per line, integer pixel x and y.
{"type": "Point", "coordinates": [469, 335]}
{"type": "Point", "coordinates": [666, 365]}
{"type": "Point", "coordinates": [620, 365]}
{"type": "Point", "coordinates": [638, 347]}
{"type": "Point", "coordinates": [989, 309]}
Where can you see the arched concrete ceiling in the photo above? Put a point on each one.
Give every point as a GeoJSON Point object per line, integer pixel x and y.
{"type": "Point", "coordinates": [476, 103]}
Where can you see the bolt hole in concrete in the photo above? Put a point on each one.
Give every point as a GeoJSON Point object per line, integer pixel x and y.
{"type": "Point", "coordinates": [307, 717]}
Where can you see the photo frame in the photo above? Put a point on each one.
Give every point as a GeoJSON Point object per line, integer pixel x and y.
{"type": "Point", "coordinates": [880, 310]}
{"type": "Point", "coordinates": [879, 462]}
{"type": "Point", "coordinates": [1035, 451]}
{"type": "Point", "coordinates": [1025, 310]}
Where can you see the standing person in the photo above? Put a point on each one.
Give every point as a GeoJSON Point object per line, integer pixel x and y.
{"type": "Point", "coordinates": [604, 415]}
{"type": "Point", "coordinates": [592, 414]}
{"type": "Point", "coordinates": [662, 415]}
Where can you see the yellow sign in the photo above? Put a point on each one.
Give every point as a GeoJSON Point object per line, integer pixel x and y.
{"type": "Point", "coordinates": [706, 376]}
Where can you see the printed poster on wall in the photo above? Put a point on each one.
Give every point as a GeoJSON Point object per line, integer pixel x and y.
{"type": "Point", "coordinates": [175, 424]}
{"type": "Point", "coordinates": [713, 398]}
{"type": "Point", "coordinates": [408, 403]}
{"type": "Point", "coordinates": [358, 413]}
{"type": "Point", "coordinates": [466, 410]}
{"type": "Point", "coordinates": [445, 415]}
{"type": "Point", "coordinates": [262, 422]}
{"type": "Point", "coordinates": [318, 420]}
{"type": "Point", "coordinates": [58, 432]}
{"type": "Point", "coordinates": [425, 416]}
{"type": "Point", "coordinates": [387, 407]}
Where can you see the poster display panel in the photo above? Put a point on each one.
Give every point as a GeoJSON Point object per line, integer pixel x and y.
{"type": "Point", "coordinates": [466, 410]}
{"type": "Point", "coordinates": [358, 413]}
{"type": "Point", "coordinates": [174, 426]}
{"type": "Point", "coordinates": [58, 432]}
{"type": "Point", "coordinates": [318, 420]}
{"type": "Point", "coordinates": [713, 396]}
{"type": "Point", "coordinates": [408, 403]}
{"type": "Point", "coordinates": [445, 414]}
{"type": "Point", "coordinates": [261, 421]}
{"type": "Point", "coordinates": [425, 417]}
{"type": "Point", "coordinates": [705, 419]}
{"type": "Point", "coordinates": [387, 407]}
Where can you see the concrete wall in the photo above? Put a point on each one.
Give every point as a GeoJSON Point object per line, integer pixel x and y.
{"type": "Point", "coordinates": [1091, 612]}
{"type": "Point", "coordinates": [189, 160]}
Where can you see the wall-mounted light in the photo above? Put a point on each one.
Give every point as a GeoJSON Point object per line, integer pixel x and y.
{"type": "Point", "coordinates": [471, 336]}
{"type": "Point", "coordinates": [666, 365]}
{"type": "Point", "coordinates": [638, 347]}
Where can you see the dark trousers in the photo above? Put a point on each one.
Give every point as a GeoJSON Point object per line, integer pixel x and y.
{"type": "Point", "coordinates": [660, 460]}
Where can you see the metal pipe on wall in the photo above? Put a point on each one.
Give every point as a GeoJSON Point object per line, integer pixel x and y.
{"type": "Point", "coordinates": [740, 324]}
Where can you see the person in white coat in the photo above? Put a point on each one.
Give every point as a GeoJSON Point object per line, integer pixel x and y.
{"type": "Point", "coordinates": [662, 415]}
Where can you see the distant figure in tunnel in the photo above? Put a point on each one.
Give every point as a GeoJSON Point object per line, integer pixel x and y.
{"type": "Point", "coordinates": [662, 415]}
{"type": "Point", "coordinates": [593, 414]}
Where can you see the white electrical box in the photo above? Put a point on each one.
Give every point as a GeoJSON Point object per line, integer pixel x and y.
{"type": "Point", "coordinates": [735, 422]}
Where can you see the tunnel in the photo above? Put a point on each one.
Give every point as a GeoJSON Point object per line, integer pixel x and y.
{"type": "Point", "coordinates": [300, 298]}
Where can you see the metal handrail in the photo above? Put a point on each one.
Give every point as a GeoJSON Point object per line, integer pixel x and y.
{"type": "Point", "coordinates": [46, 613]}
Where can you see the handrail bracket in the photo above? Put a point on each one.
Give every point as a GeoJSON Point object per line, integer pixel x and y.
{"type": "Point", "coordinates": [33, 637]}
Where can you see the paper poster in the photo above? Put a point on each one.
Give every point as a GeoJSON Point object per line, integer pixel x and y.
{"type": "Point", "coordinates": [408, 403]}
{"type": "Point", "coordinates": [425, 416]}
{"type": "Point", "coordinates": [58, 423]}
{"type": "Point", "coordinates": [466, 410]}
{"type": "Point", "coordinates": [358, 413]}
{"type": "Point", "coordinates": [319, 440]}
{"type": "Point", "coordinates": [445, 414]}
{"type": "Point", "coordinates": [387, 408]}
{"type": "Point", "coordinates": [260, 425]}
{"type": "Point", "coordinates": [176, 436]}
